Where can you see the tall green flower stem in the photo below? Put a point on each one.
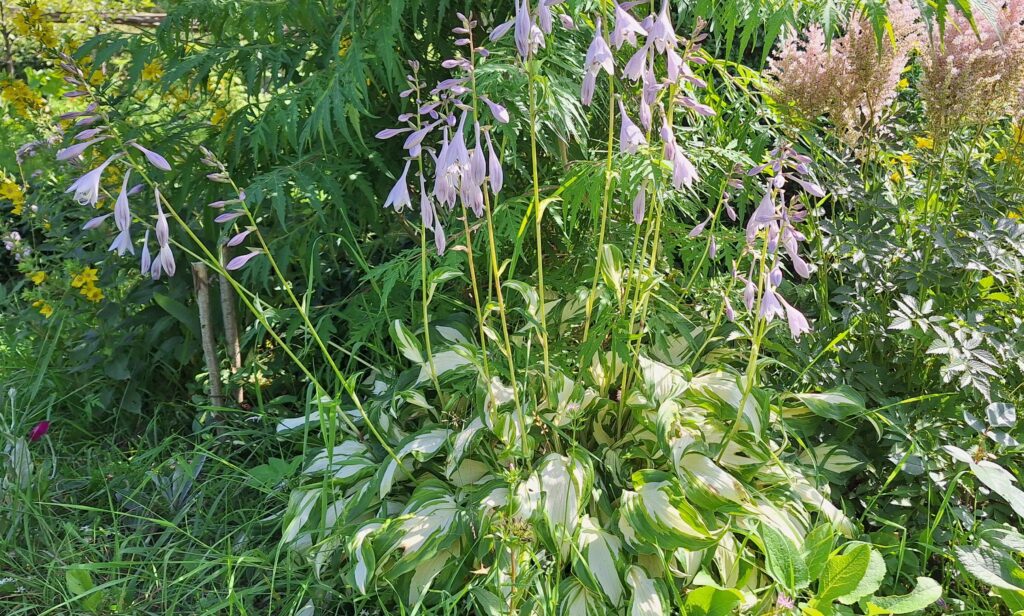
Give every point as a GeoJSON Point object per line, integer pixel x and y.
{"type": "Point", "coordinates": [605, 200]}
{"type": "Point", "coordinates": [495, 271]}
{"type": "Point", "coordinates": [538, 210]}
{"type": "Point", "coordinates": [424, 296]}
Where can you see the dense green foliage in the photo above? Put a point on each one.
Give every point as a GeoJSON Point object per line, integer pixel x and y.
{"type": "Point", "coordinates": [758, 349]}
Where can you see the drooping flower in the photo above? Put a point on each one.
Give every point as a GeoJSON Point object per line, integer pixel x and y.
{"type": "Point", "coordinates": [626, 28]}
{"type": "Point", "coordinates": [154, 159]}
{"type": "Point", "coordinates": [164, 262]}
{"type": "Point", "coordinates": [661, 32]}
{"type": "Point", "coordinates": [494, 170]}
{"type": "Point", "coordinates": [640, 204]}
{"type": "Point", "coordinates": [239, 262]}
{"type": "Point", "coordinates": [87, 187]}
{"type": "Point", "coordinates": [122, 213]}
{"type": "Point", "coordinates": [523, 26]}
{"type": "Point", "coordinates": [74, 151]}
{"type": "Point", "coordinates": [797, 321]}
{"type": "Point", "coordinates": [146, 263]}
{"type": "Point", "coordinates": [498, 111]}
{"type": "Point", "coordinates": [771, 307]}
{"type": "Point", "coordinates": [599, 56]}
{"type": "Point", "coordinates": [630, 135]}
{"type": "Point", "coordinates": [399, 196]}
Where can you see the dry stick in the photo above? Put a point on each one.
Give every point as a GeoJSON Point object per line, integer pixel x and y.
{"type": "Point", "coordinates": [229, 316]}
{"type": "Point", "coordinates": [201, 279]}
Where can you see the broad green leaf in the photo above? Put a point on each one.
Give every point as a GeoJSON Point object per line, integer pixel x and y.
{"type": "Point", "coordinates": [783, 560]}
{"type": "Point", "coordinates": [844, 573]}
{"type": "Point", "coordinates": [992, 567]}
{"type": "Point", "coordinates": [817, 547]}
{"type": "Point", "coordinates": [924, 594]}
{"type": "Point", "coordinates": [871, 581]}
{"type": "Point", "coordinates": [711, 601]}
{"type": "Point", "coordinates": [79, 583]}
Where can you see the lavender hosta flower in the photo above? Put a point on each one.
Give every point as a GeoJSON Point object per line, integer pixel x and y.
{"type": "Point", "coordinates": [154, 159]}
{"type": "Point", "coordinates": [626, 28]}
{"type": "Point", "coordinates": [640, 204]}
{"type": "Point", "coordinates": [634, 69]}
{"type": "Point", "coordinates": [94, 223]}
{"type": "Point", "coordinates": [87, 187]}
{"type": "Point", "coordinates": [388, 133]}
{"type": "Point", "coordinates": [661, 33]}
{"type": "Point", "coordinates": [146, 263]}
{"type": "Point", "coordinates": [544, 17]}
{"type": "Point", "coordinates": [700, 108]}
{"type": "Point", "coordinates": [797, 321]}
{"type": "Point", "coordinates": [630, 135]}
{"type": "Point", "coordinates": [523, 26]}
{"type": "Point", "coordinates": [494, 171]}
{"type": "Point", "coordinates": [122, 213]}
{"type": "Point", "coordinates": [712, 247]}
{"type": "Point", "coordinates": [729, 312]}
{"type": "Point", "coordinates": [775, 276]}
{"type": "Point", "coordinates": [498, 111]}
{"type": "Point", "coordinates": [501, 30]}
{"type": "Point", "coordinates": [228, 217]}
{"type": "Point", "coordinates": [810, 187]}
{"type": "Point", "coordinates": [683, 171]}
{"type": "Point", "coordinates": [477, 162]}
{"type": "Point", "coordinates": [74, 151]}
{"type": "Point", "coordinates": [427, 212]}
{"type": "Point", "coordinates": [567, 21]}
{"type": "Point", "coordinates": [164, 262]}
{"type": "Point", "coordinates": [697, 230]}
{"type": "Point", "coordinates": [240, 261]}
{"type": "Point", "coordinates": [122, 243]}
{"type": "Point", "coordinates": [599, 56]}
{"type": "Point", "coordinates": [771, 307]}
{"type": "Point", "coordinates": [238, 238]}
{"type": "Point", "coordinates": [89, 133]}
{"type": "Point", "coordinates": [749, 292]}
{"type": "Point", "coordinates": [399, 196]}
{"type": "Point", "coordinates": [762, 216]}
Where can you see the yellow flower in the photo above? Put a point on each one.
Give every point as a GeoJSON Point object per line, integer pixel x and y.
{"type": "Point", "coordinates": [219, 115]}
{"type": "Point", "coordinates": [85, 279]}
{"type": "Point", "coordinates": [895, 177]}
{"type": "Point", "coordinates": [903, 83]}
{"type": "Point", "coordinates": [97, 78]}
{"type": "Point", "coordinates": [906, 158]}
{"type": "Point", "coordinates": [93, 294]}
{"type": "Point", "coordinates": [925, 143]}
{"type": "Point", "coordinates": [152, 71]}
{"type": "Point", "coordinates": [1001, 156]}
{"type": "Point", "coordinates": [44, 309]}
{"type": "Point", "coordinates": [17, 93]}
{"type": "Point", "coordinates": [38, 277]}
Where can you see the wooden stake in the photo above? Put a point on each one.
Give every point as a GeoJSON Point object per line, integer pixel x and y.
{"type": "Point", "coordinates": [201, 279]}
{"type": "Point", "coordinates": [230, 318]}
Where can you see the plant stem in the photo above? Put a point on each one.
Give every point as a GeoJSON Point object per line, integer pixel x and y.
{"type": "Point", "coordinates": [606, 198]}
{"type": "Point", "coordinates": [538, 213]}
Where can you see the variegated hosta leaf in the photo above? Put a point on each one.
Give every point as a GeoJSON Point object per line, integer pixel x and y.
{"type": "Point", "coordinates": [361, 555]}
{"type": "Point", "coordinates": [646, 599]}
{"type": "Point", "coordinates": [568, 400]}
{"type": "Point", "coordinates": [425, 573]}
{"type": "Point", "coordinates": [406, 342]}
{"type": "Point", "coordinates": [726, 387]}
{"type": "Point", "coordinates": [659, 514]}
{"type": "Point", "coordinates": [598, 566]}
{"type": "Point", "coordinates": [420, 446]}
{"type": "Point", "coordinates": [661, 382]}
{"type": "Point", "coordinates": [555, 494]}
{"type": "Point", "coordinates": [300, 506]}
{"type": "Point", "coordinates": [831, 458]}
{"type": "Point", "coordinates": [707, 485]}
{"type": "Point", "coordinates": [461, 444]}
{"type": "Point", "coordinates": [576, 600]}
{"type": "Point", "coordinates": [816, 500]}
{"type": "Point", "coordinates": [605, 370]}
{"type": "Point", "coordinates": [347, 461]}
{"type": "Point", "coordinates": [444, 362]}
{"type": "Point", "coordinates": [433, 517]}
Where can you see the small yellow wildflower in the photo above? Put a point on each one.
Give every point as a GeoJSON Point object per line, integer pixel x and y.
{"type": "Point", "coordinates": [92, 293]}
{"type": "Point", "coordinates": [97, 78]}
{"type": "Point", "coordinates": [10, 191]}
{"type": "Point", "coordinates": [86, 278]}
{"type": "Point", "coordinates": [1001, 156]}
{"type": "Point", "coordinates": [903, 84]}
{"type": "Point", "coordinates": [38, 277]}
{"type": "Point", "coordinates": [906, 158]}
{"type": "Point", "coordinates": [925, 143]}
{"type": "Point", "coordinates": [895, 177]}
{"type": "Point", "coordinates": [21, 97]}
{"type": "Point", "coordinates": [44, 309]}
{"type": "Point", "coordinates": [220, 114]}
{"type": "Point", "coordinates": [152, 71]}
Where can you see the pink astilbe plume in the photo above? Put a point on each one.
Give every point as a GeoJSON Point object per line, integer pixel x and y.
{"type": "Point", "coordinates": [969, 78]}
{"type": "Point", "coordinates": [853, 82]}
